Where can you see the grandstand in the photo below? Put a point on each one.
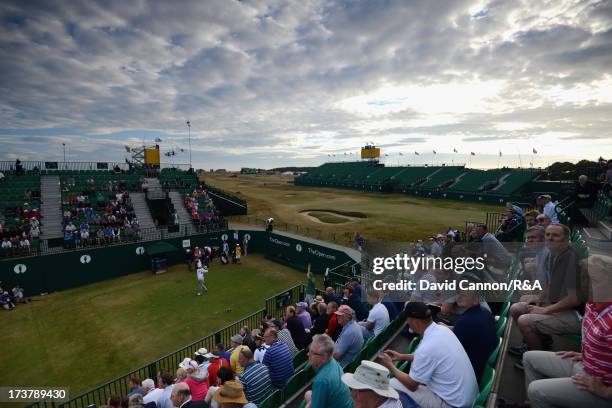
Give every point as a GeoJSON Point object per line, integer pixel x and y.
{"type": "Point", "coordinates": [452, 182]}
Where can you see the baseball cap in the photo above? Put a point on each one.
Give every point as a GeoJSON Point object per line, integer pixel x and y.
{"type": "Point", "coordinates": [237, 339]}
{"type": "Point", "coordinates": [417, 310]}
{"type": "Point", "coordinates": [344, 310]}
{"type": "Point", "coordinates": [303, 305]}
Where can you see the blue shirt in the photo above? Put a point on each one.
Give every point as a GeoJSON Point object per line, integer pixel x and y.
{"type": "Point", "coordinates": [328, 390]}
{"type": "Point", "coordinates": [476, 331]}
{"type": "Point", "coordinates": [349, 343]}
{"type": "Point", "coordinates": [256, 382]}
{"type": "Point", "coordinates": [279, 360]}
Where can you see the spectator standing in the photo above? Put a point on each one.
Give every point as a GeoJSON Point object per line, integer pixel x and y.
{"type": "Point", "coordinates": [548, 207]}
{"type": "Point", "coordinates": [165, 381]}
{"type": "Point", "coordinates": [197, 381]}
{"type": "Point", "coordinates": [301, 311]}
{"type": "Point", "coordinates": [513, 225]}
{"type": "Point", "coordinates": [296, 328]}
{"type": "Point", "coordinates": [328, 390]}
{"type": "Point", "coordinates": [585, 193]}
{"type": "Point", "coordinates": [216, 364]}
{"type": "Point", "coordinates": [350, 340]}
{"type": "Point", "coordinates": [320, 323]}
{"type": "Point", "coordinates": [278, 359]}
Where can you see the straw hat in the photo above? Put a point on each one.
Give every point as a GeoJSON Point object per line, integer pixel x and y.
{"type": "Point", "coordinates": [230, 391]}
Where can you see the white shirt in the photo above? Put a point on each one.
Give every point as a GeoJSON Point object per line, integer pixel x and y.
{"type": "Point", "coordinates": [391, 403]}
{"type": "Point", "coordinates": [6, 244]}
{"type": "Point", "coordinates": [164, 399]}
{"type": "Point", "coordinates": [259, 353]}
{"type": "Point", "coordinates": [441, 363]}
{"type": "Point", "coordinates": [379, 315]}
{"type": "Point", "coordinates": [201, 272]}
{"type": "Point", "coordinates": [549, 210]}
{"type": "Point", "coordinates": [153, 395]}
{"type": "Point", "coordinates": [436, 249]}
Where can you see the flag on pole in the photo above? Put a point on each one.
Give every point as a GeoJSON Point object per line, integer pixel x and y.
{"type": "Point", "coordinates": [472, 154]}
{"type": "Point", "coordinates": [386, 155]}
{"type": "Point", "coordinates": [455, 150]}
{"type": "Point", "coordinates": [417, 153]}
{"type": "Point", "coordinates": [500, 153]}
{"type": "Point", "coordinates": [127, 148]}
{"type": "Point", "coordinates": [158, 140]}
{"type": "Point", "coordinates": [535, 151]}
{"type": "Point", "coordinates": [435, 152]}
{"type": "Point", "coordinates": [400, 154]}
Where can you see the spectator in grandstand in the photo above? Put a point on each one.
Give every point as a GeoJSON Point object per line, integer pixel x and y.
{"type": "Point", "coordinates": [424, 295]}
{"type": "Point", "coordinates": [378, 317]}
{"type": "Point", "coordinates": [181, 397]}
{"type": "Point", "coordinates": [353, 300]}
{"type": "Point", "coordinates": [370, 387]}
{"type": "Point", "coordinates": [475, 329]}
{"type": "Point", "coordinates": [531, 218]}
{"type": "Point", "coordinates": [543, 220]}
{"type": "Point", "coordinates": [513, 225]}
{"type": "Point", "coordinates": [333, 328]}
{"type": "Point", "coordinates": [436, 245]}
{"type": "Point", "coordinates": [283, 335]}
{"type": "Point", "coordinates": [320, 323]}
{"type": "Point", "coordinates": [296, 327]}
{"type": "Point", "coordinates": [278, 359]}
{"type": "Point", "coordinates": [497, 255]}
{"type": "Point", "coordinates": [237, 347]}
{"type": "Point", "coordinates": [331, 296]}
{"type": "Point", "coordinates": [149, 392]}
{"type": "Point", "coordinates": [533, 256]}
{"type": "Point", "coordinates": [538, 320]}
{"type": "Point", "coordinates": [247, 337]}
{"type": "Point", "coordinates": [231, 395]}
{"type": "Point", "coordinates": [571, 379]}
{"type": "Point", "coordinates": [114, 401]}
{"type": "Point", "coordinates": [7, 246]}
{"type": "Point", "coordinates": [165, 381]}
{"type": "Point", "coordinates": [328, 390]}
{"type": "Point", "coordinates": [217, 364]}
{"type": "Point", "coordinates": [255, 378]}
{"type": "Point", "coordinates": [350, 340]}
{"type": "Point", "coordinates": [548, 207]}
{"type": "Point", "coordinates": [134, 386]}
{"type": "Point", "coordinates": [260, 346]}
{"type": "Point", "coordinates": [181, 375]}
{"type": "Point", "coordinates": [441, 374]}
{"type": "Point", "coordinates": [225, 374]}
{"type": "Point", "coordinates": [197, 381]}
{"type": "Point", "coordinates": [220, 351]}
{"type": "Point", "coordinates": [301, 310]}
{"type": "Point", "coordinates": [201, 357]}
{"type": "Point", "coordinates": [24, 245]}
{"type": "Point", "coordinates": [585, 193]}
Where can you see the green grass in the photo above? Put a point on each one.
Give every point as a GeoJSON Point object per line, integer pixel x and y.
{"type": "Point", "coordinates": [85, 336]}
{"type": "Point", "coordinates": [390, 217]}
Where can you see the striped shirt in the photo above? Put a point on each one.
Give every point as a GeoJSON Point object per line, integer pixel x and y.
{"type": "Point", "coordinates": [597, 341]}
{"type": "Point", "coordinates": [284, 336]}
{"type": "Point", "coordinates": [256, 382]}
{"type": "Point", "coordinates": [279, 361]}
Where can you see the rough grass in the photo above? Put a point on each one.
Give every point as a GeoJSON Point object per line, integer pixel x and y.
{"type": "Point", "coordinates": [85, 336]}
{"type": "Point", "coordinates": [393, 217]}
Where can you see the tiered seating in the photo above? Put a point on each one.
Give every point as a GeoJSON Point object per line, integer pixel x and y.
{"type": "Point", "coordinates": [514, 181]}
{"type": "Point", "coordinates": [411, 175]}
{"type": "Point", "coordinates": [473, 180]}
{"type": "Point", "coordinates": [381, 175]}
{"type": "Point", "coordinates": [19, 202]}
{"type": "Point", "coordinates": [440, 176]}
{"type": "Point", "coordinates": [179, 180]}
{"type": "Point", "coordinates": [603, 206]}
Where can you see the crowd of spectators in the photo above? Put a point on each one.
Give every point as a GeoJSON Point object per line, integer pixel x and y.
{"type": "Point", "coordinates": [9, 299]}
{"type": "Point", "coordinates": [201, 208]}
{"type": "Point", "coordinates": [99, 218]}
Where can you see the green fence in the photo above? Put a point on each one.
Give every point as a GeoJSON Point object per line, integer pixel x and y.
{"type": "Point", "coordinates": [119, 385]}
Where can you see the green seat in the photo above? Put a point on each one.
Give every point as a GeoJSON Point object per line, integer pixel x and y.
{"type": "Point", "coordinates": [495, 353]}
{"type": "Point", "coordinates": [501, 325]}
{"type": "Point", "coordinates": [486, 382]}
{"type": "Point", "coordinates": [273, 401]}
{"type": "Point", "coordinates": [296, 382]}
{"type": "Point", "coordinates": [300, 358]}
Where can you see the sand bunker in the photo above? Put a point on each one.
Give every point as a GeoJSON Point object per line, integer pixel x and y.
{"type": "Point", "coordinates": [326, 216]}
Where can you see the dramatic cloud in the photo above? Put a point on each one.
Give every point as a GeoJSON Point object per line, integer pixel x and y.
{"type": "Point", "coordinates": [270, 83]}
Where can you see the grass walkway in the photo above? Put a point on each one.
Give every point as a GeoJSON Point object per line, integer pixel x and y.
{"type": "Point", "coordinates": [88, 335]}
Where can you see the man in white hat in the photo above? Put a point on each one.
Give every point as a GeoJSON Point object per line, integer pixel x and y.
{"type": "Point", "coordinates": [201, 356]}
{"type": "Point", "coordinates": [370, 387]}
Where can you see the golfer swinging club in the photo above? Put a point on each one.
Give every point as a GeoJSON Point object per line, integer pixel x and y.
{"type": "Point", "coordinates": [201, 270]}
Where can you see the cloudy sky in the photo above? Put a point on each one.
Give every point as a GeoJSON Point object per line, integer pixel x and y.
{"type": "Point", "coordinates": [271, 83]}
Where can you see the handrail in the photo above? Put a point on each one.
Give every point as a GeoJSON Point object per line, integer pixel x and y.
{"type": "Point", "coordinates": [118, 385]}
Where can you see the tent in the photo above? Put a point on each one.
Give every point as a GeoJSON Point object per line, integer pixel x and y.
{"type": "Point", "coordinates": [157, 251]}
